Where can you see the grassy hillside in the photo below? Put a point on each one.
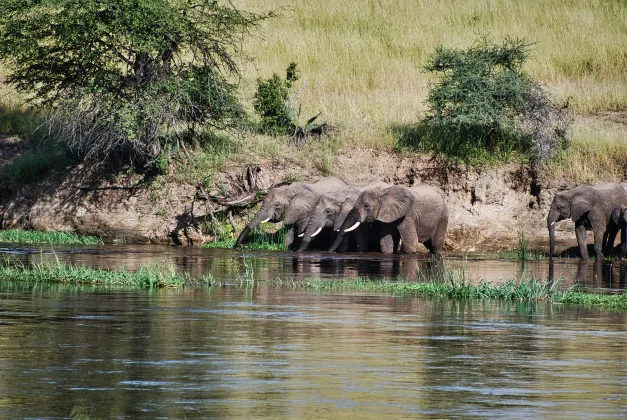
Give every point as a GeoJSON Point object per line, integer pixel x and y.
{"type": "Point", "coordinates": [360, 64]}
{"type": "Point", "coordinates": [361, 61]}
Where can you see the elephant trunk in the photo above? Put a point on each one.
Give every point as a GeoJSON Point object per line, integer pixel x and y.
{"type": "Point", "coordinates": [262, 215]}
{"type": "Point", "coordinates": [314, 226]}
{"type": "Point", "coordinates": [550, 222]}
{"type": "Point", "coordinates": [350, 223]}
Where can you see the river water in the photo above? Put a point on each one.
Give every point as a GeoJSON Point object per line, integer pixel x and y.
{"type": "Point", "coordinates": [273, 352]}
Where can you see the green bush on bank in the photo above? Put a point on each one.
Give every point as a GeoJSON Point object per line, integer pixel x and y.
{"type": "Point", "coordinates": [483, 105]}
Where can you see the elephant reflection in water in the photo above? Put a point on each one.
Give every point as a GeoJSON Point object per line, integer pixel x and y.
{"type": "Point", "coordinates": [600, 274]}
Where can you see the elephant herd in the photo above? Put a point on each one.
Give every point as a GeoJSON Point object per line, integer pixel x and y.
{"type": "Point", "coordinates": [359, 217]}
{"type": "Point", "coordinates": [334, 215]}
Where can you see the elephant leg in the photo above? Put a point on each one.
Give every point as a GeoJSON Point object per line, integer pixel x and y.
{"type": "Point", "coordinates": [387, 239]}
{"type": "Point", "coordinates": [580, 233]}
{"type": "Point", "coordinates": [361, 238]}
{"type": "Point", "coordinates": [409, 235]}
{"type": "Point", "coordinates": [623, 242]}
{"type": "Point", "coordinates": [608, 240]}
{"type": "Point", "coordinates": [437, 240]}
{"type": "Point", "coordinates": [599, 234]}
{"type": "Point", "coordinates": [289, 237]}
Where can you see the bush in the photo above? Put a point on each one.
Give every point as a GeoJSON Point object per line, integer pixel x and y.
{"type": "Point", "coordinates": [484, 103]}
{"type": "Point", "coordinates": [119, 77]}
{"type": "Point", "coordinates": [272, 103]}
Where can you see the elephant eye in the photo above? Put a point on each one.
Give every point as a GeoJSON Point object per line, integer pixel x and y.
{"type": "Point", "coordinates": [328, 210]}
{"type": "Point", "coordinates": [367, 206]}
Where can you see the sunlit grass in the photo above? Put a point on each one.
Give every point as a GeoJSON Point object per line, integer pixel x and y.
{"type": "Point", "coordinates": [598, 150]}
{"type": "Point", "coordinates": [526, 290]}
{"type": "Point", "coordinates": [442, 282]}
{"type": "Point", "coordinates": [258, 239]}
{"type": "Point", "coordinates": [35, 237]}
{"type": "Point", "coordinates": [163, 275]}
{"type": "Point", "coordinates": [360, 61]}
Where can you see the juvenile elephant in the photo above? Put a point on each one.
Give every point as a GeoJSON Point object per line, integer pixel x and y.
{"type": "Point", "coordinates": [418, 214]}
{"type": "Point", "coordinates": [590, 207]}
{"type": "Point", "coordinates": [619, 218]}
{"type": "Point", "coordinates": [331, 210]}
{"type": "Point", "coordinates": [290, 203]}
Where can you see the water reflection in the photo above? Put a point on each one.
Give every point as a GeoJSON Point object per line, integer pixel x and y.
{"type": "Point", "coordinates": [225, 264]}
{"type": "Point", "coordinates": [597, 275]}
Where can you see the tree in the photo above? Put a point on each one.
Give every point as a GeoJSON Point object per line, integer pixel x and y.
{"type": "Point", "coordinates": [484, 101]}
{"type": "Point", "coordinates": [120, 76]}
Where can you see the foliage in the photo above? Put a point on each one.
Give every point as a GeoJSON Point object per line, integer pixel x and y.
{"type": "Point", "coordinates": [272, 103]}
{"type": "Point", "coordinates": [152, 276]}
{"type": "Point", "coordinates": [258, 239]}
{"type": "Point", "coordinates": [34, 237]}
{"type": "Point", "coordinates": [483, 101]}
{"type": "Point", "coordinates": [119, 77]}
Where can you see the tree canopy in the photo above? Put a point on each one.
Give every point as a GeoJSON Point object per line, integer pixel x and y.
{"type": "Point", "coordinates": [119, 76]}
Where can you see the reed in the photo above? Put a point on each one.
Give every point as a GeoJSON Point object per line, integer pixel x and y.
{"type": "Point", "coordinates": [36, 237]}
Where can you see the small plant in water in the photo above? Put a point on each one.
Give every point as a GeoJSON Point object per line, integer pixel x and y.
{"type": "Point", "coordinates": [248, 277]}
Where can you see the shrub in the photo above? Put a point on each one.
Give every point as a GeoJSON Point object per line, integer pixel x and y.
{"type": "Point", "coordinates": [119, 77]}
{"type": "Point", "coordinates": [483, 101]}
{"type": "Point", "coordinates": [272, 103]}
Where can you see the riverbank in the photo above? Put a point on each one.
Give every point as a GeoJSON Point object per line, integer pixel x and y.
{"type": "Point", "coordinates": [489, 207]}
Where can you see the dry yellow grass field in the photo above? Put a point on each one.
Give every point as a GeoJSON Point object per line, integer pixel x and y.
{"type": "Point", "coordinates": [360, 64]}
{"type": "Point", "coordinates": [361, 61]}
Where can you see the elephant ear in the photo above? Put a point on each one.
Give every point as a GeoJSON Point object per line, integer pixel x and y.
{"type": "Point", "coordinates": [395, 202]}
{"type": "Point", "coordinates": [580, 205]}
{"type": "Point", "coordinates": [300, 206]}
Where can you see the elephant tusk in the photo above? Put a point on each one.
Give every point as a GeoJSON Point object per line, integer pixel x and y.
{"type": "Point", "coordinates": [552, 223]}
{"type": "Point", "coordinates": [355, 226]}
{"type": "Point", "coordinates": [267, 220]}
{"type": "Point", "coordinates": [300, 235]}
{"type": "Point", "coordinates": [316, 232]}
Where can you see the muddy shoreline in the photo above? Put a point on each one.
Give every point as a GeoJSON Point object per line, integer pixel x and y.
{"type": "Point", "coordinates": [489, 207]}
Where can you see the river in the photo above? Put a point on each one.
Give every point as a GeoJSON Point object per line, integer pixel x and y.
{"type": "Point", "coordinates": [266, 351]}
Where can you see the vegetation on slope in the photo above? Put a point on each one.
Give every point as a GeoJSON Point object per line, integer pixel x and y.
{"type": "Point", "coordinates": [360, 65]}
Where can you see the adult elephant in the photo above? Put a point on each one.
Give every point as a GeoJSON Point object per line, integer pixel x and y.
{"type": "Point", "coordinates": [290, 203]}
{"type": "Point", "coordinates": [331, 210]}
{"type": "Point", "coordinates": [418, 214]}
{"type": "Point", "coordinates": [590, 207]}
{"type": "Point", "coordinates": [619, 218]}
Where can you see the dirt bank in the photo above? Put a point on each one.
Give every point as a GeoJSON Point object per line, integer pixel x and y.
{"type": "Point", "coordinates": [489, 208]}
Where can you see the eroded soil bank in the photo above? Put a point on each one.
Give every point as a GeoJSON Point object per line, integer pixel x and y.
{"type": "Point", "coordinates": [489, 208]}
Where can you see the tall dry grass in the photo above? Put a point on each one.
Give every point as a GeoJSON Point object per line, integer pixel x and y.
{"type": "Point", "coordinates": [360, 64]}
{"type": "Point", "coordinates": [360, 61]}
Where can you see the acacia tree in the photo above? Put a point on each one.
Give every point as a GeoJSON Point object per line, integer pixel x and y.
{"type": "Point", "coordinates": [120, 76]}
{"type": "Point", "coordinates": [483, 100]}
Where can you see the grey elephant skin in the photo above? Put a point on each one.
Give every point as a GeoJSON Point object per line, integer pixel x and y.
{"type": "Point", "coordinates": [590, 207]}
{"type": "Point", "coordinates": [619, 218]}
{"type": "Point", "coordinates": [290, 203]}
{"type": "Point", "coordinates": [417, 215]}
{"type": "Point", "coordinates": [330, 211]}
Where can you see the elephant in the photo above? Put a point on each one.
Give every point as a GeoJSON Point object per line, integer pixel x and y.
{"type": "Point", "coordinates": [619, 218]}
{"type": "Point", "coordinates": [332, 208]}
{"type": "Point", "coordinates": [590, 207]}
{"type": "Point", "coordinates": [416, 214]}
{"type": "Point", "coordinates": [290, 203]}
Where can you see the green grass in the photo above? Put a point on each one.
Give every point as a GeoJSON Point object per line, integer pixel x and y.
{"type": "Point", "coordinates": [527, 290]}
{"type": "Point", "coordinates": [258, 239]}
{"type": "Point", "coordinates": [152, 276]}
{"type": "Point", "coordinates": [439, 283]}
{"type": "Point", "coordinates": [34, 237]}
